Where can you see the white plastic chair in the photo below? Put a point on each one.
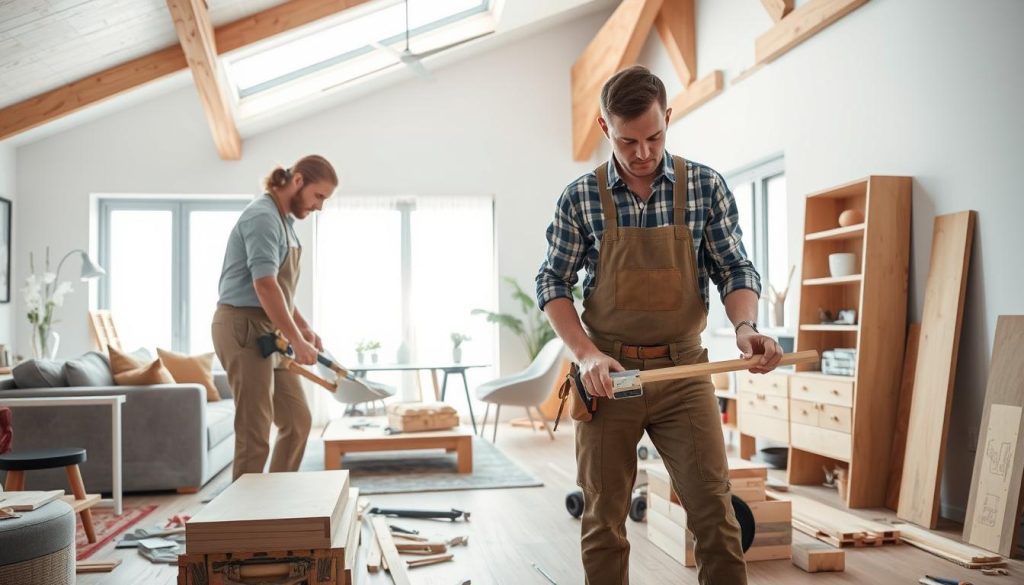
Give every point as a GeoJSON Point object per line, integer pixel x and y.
{"type": "Point", "coordinates": [352, 392]}
{"type": "Point", "coordinates": [528, 388]}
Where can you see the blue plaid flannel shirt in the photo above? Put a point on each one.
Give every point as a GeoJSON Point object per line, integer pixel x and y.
{"type": "Point", "coordinates": [574, 237]}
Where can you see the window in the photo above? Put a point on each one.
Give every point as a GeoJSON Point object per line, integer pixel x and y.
{"type": "Point", "coordinates": [303, 66]}
{"type": "Point", "coordinates": [163, 261]}
{"type": "Point", "coordinates": [406, 272]}
{"type": "Point", "coordinates": [760, 193]}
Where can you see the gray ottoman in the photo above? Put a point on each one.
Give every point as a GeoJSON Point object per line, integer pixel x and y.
{"type": "Point", "coordinates": [39, 547]}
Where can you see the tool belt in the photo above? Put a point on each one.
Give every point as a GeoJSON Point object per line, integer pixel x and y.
{"type": "Point", "coordinates": [645, 352]}
{"type": "Point", "coordinates": [582, 405]}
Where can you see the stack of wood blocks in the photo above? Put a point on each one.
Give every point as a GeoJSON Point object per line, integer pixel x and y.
{"type": "Point", "coordinates": [836, 527]}
{"type": "Point", "coordinates": [275, 526]}
{"type": "Point", "coordinates": [418, 416]}
{"type": "Point", "coordinates": [666, 518]}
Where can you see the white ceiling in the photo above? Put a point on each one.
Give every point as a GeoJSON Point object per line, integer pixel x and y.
{"type": "Point", "coordinates": [48, 43]}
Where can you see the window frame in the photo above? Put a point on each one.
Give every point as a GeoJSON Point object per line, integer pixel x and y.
{"type": "Point", "coordinates": [180, 208]}
{"type": "Point", "coordinates": [758, 174]}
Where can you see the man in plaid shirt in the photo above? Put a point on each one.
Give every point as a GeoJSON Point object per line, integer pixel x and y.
{"type": "Point", "coordinates": [650, 230]}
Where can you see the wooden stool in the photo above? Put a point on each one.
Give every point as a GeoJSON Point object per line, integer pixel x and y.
{"type": "Point", "coordinates": [17, 463]}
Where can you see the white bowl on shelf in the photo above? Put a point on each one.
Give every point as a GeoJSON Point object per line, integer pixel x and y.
{"type": "Point", "coordinates": [842, 264]}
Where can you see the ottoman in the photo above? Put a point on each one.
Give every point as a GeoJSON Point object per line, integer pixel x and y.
{"type": "Point", "coordinates": [39, 547]}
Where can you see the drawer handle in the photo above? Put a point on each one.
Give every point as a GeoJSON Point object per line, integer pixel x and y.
{"type": "Point", "coordinates": [804, 388]}
{"type": "Point", "coordinates": [750, 380]}
{"type": "Point", "coordinates": [835, 418]}
{"type": "Point", "coordinates": [804, 411]}
{"type": "Point", "coordinates": [761, 397]}
{"type": "Point", "coordinates": [835, 391]}
{"type": "Point", "coordinates": [775, 407]}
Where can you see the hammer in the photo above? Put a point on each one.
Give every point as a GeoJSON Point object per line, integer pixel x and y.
{"type": "Point", "coordinates": [272, 343]}
{"type": "Point", "coordinates": [630, 383]}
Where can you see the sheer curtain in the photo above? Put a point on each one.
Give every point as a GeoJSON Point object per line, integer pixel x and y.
{"type": "Point", "coordinates": [407, 272]}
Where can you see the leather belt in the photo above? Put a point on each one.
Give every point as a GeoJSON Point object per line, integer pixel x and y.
{"type": "Point", "coordinates": [645, 352]}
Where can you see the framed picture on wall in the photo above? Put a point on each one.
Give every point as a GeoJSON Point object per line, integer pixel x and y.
{"type": "Point", "coordinates": [5, 250]}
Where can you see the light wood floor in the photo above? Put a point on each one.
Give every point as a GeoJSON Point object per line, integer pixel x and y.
{"type": "Point", "coordinates": [511, 529]}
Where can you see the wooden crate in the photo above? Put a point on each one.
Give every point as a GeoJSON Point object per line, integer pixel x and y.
{"type": "Point", "coordinates": [419, 416]}
{"type": "Point", "coordinates": [271, 511]}
{"type": "Point", "coordinates": [666, 518]}
{"type": "Point", "coordinates": [333, 565]}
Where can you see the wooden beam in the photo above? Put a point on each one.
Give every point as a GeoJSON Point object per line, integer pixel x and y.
{"type": "Point", "coordinates": [195, 33]}
{"type": "Point", "coordinates": [778, 8]}
{"type": "Point", "coordinates": [694, 96]}
{"type": "Point", "coordinates": [678, 31]}
{"type": "Point", "coordinates": [116, 80]}
{"type": "Point", "coordinates": [800, 25]}
{"type": "Point", "coordinates": [615, 46]}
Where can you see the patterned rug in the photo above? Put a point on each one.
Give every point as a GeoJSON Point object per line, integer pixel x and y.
{"type": "Point", "coordinates": [428, 470]}
{"type": "Point", "coordinates": [107, 527]}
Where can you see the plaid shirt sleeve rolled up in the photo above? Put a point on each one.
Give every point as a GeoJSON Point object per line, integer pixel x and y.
{"type": "Point", "coordinates": [574, 236]}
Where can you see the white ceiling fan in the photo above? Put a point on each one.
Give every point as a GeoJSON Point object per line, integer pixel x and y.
{"type": "Point", "coordinates": [414, 60]}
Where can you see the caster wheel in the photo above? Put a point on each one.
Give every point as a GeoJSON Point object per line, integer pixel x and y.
{"type": "Point", "coordinates": [746, 520]}
{"type": "Point", "coordinates": [642, 452]}
{"type": "Point", "coordinates": [638, 509]}
{"type": "Point", "coordinates": [574, 504]}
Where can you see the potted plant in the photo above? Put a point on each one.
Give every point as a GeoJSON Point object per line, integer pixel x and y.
{"type": "Point", "coordinates": [361, 350]}
{"type": "Point", "coordinates": [533, 328]}
{"type": "Point", "coordinates": [457, 339]}
{"type": "Point", "coordinates": [43, 295]}
{"type": "Point", "coordinates": [372, 347]}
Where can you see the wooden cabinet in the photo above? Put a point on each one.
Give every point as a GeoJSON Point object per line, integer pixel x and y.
{"type": "Point", "coordinates": [848, 421]}
{"type": "Point", "coordinates": [763, 408]}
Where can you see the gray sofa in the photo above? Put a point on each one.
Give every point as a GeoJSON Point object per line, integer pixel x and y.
{"type": "Point", "coordinates": [172, 438]}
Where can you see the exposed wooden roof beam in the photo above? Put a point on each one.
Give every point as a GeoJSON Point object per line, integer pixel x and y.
{"type": "Point", "coordinates": [678, 31]}
{"type": "Point", "coordinates": [116, 80]}
{"type": "Point", "coordinates": [195, 33]}
{"type": "Point", "coordinates": [616, 45]}
{"type": "Point", "coordinates": [694, 96]}
{"type": "Point", "coordinates": [800, 25]}
{"type": "Point", "coordinates": [778, 8]}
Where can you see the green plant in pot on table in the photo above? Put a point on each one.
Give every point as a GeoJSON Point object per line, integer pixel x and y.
{"type": "Point", "coordinates": [457, 339]}
{"type": "Point", "coordinates": [365, 346]}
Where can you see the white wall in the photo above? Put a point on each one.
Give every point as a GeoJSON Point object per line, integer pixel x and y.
{"type": "Point", "coordinates": [8, 190]}
{"type": "Point", "coordinates": [497, 123]}
{"type": "Point", "coordinates": [928, 89]}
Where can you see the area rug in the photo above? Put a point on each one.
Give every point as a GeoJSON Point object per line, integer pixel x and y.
{"type": "Point", "coordinates": [428, 470]}
{"type": "Point", "coordinates": [107, 526]}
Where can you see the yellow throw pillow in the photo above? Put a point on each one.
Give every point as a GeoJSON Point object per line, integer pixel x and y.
{"type": "Point", "coordinates": [131, 371]}
{"type": "Point", "coordinates": [195, 369]}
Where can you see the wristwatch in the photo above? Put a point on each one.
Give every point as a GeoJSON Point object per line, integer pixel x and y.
{"type": "Point", "coordinates": [750, 324]}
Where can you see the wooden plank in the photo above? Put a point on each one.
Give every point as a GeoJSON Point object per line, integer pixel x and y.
{"type": "Point", "coordinates": [999, 463]}
{"type": "Point", "coordinates": [396, 566]}
{"type": "Point", "coordinates": [96, 88]}
{"type": "Point", "coordinates": [677, 28]}
{"type": "Point", "coordinates": [936, 368]}
{"type": "Point", "coordinates": [253, 508]}
{"type": "Point", "coordinates": [615, 46]}
{"type": "Point", "coordinates": [962, 554]}
{"type": "Point", "coordinates": [777, 9]}
{"type": "Point", "coordinates": [195, 34]}
{"type": "Point", "coordinates": [839, 527]}
{"type": "Point", "coordinates": [899, 436]}
{"type": "Point", "coordinates": [800, 25]}
{"type": "Point", "coordinates": [818, 558]}
{"type": "Point", "coordinates": [696, 95]}
{"type": "Point", "coordinates": [96, 566]}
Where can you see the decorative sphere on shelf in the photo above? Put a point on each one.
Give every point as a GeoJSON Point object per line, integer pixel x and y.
{"type": "Point", "coordinates": [850, 217]}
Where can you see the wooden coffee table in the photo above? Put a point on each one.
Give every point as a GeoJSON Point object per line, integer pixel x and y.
{"type": "Point", "coordinates": [341, 437]}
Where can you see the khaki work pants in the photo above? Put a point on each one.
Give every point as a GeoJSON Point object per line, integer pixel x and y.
{"type": "Point", "coordinates": [263, 393]}
{"type": "Point", "coordinates": [684, 422]}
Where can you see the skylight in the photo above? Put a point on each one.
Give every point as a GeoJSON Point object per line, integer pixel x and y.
{"type": "Point", "coordinates": [346, 49]}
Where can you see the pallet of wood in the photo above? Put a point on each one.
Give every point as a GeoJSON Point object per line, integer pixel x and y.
{"type": "Point", "coordinates": [334, 564]}
{"type": "Point", "coordinates": [410, 417]}
{"type": "Point", "coordinates": [271, 511]}
{"type": "Point", "coordinates": [666, 517]}
{"type": "Point", "coordinates": [837, 527]}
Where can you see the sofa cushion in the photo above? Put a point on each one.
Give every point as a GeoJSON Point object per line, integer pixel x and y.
{"type": "Point", "coordinates": [130, 371]}
{"type": "Point", "coordinates": [220, 421]}
{"type": "Point", "coordinates": [39, 374]}
{"type": "Point", "coordinates": [186, 369]}
{"type": "Point", "coordinates": [91, 369]}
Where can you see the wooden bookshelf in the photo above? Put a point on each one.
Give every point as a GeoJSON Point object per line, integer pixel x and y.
{"type": "Point", "coordinates": [848, 421]}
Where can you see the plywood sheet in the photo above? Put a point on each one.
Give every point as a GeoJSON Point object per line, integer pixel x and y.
{"type": "Point", "coordinates": [936, 368]}
{"type": "Point", "coordinates": [899, 435]}
{"type": "Point", "coordinates": [995, 503]}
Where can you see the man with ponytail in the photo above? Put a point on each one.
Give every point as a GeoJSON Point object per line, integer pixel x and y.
{"type": "Point", "coordinates": [257, 292]}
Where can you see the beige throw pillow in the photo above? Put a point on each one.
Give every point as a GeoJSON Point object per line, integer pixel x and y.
{"type": "Point", "coordinates": [129, 371]}
{"type": "Point", "coordinates": [195, 369]}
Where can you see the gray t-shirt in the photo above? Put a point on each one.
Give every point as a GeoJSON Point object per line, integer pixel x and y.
{"type": "Point", "coordinates": [256, 248]}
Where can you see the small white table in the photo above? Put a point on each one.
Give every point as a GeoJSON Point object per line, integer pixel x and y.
{"type": "Point", "coordinates": [115, 402]}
